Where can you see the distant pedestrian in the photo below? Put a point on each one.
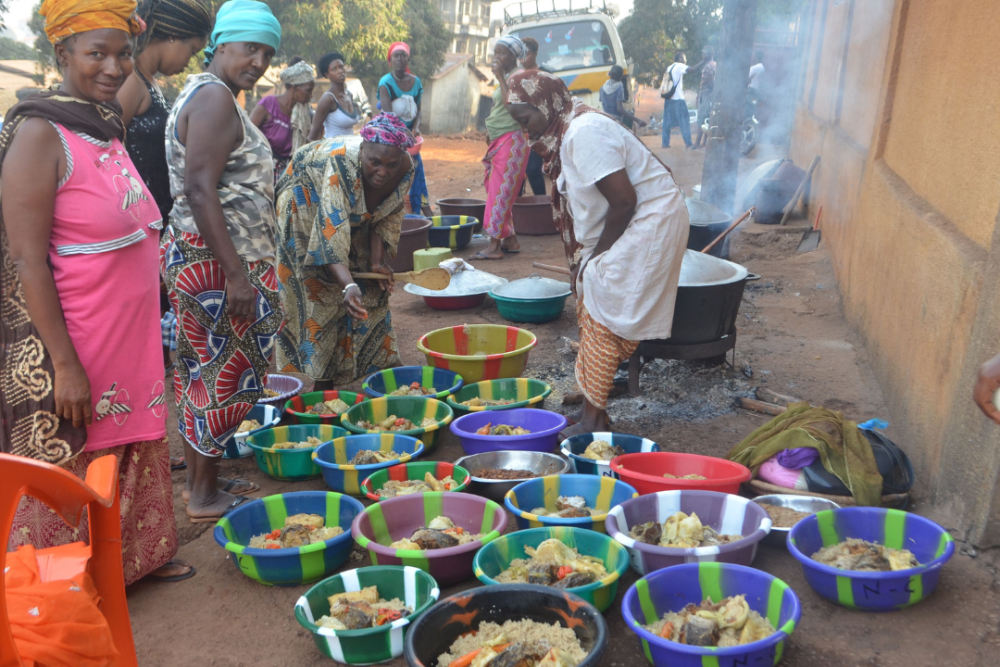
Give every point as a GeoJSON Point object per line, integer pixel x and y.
{"type": "Point", "coordinates": [613, 96]}
{"type": "Point", "coordinates": [675, 111]}
{"type": "Point", "coordinates": [705, 94]}
{"type": "Point", "coordinates": [337, 111]}
{"type": "Point", "coordinates": [286, 119]}
{"type": "Point", "coordinates": [757, 72]}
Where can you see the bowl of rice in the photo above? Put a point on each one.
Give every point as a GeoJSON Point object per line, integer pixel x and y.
{"type": "Point", "coordinates": [421, 418]}
{"type": "Point", "coordinates": [534, 622]}
{"type": "Point", "coordinates": [321, 407]}
{"type": "Point", "coordinates": [286, 452]}
{"type": "Point", "coordinates": [415, 477]}
{"type": "Point", "coordinates": [582, 501]}
{"type": "Point", "coordinates": [591, 453]}
{"type": "Point", "coordinates": [594, 561]}
{"type": "Point", "coordinates": [412, 381]}
{"type": "Point", "coordinates": [318, 522]}
{"type": "Point", "coordinates": [493, 395]}
{"type": "Point", "coordinates": [661, 610]}
{"type": "Point", "coordinates": [346, 461]}
{"type": "Point", "coordinates": [438, 532]}
{"type": "Point", "coordinates": [407, 589]}
{"type": "Point", "coordinates": [260, 417]}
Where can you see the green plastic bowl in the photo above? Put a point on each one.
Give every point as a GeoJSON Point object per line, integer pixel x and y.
{"type": "Point", "coordinates": [413, 408]}
{"type": "Point", "coordinates": [370, 645]}
{"type": "Point", "coordinates": [296, 407]}
{"type": "Point", "coordinates": [535, 311]}
{"type": "Point", "coordinates": [414, 470]}
{"type": "Point", "coordinates": [497, 556]}
{"type": "Point", "coordinates": [290, 465]}
{"type": "Point", "coordinates": [525, 392]}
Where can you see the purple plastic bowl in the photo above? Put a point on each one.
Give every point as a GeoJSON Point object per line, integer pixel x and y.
{"type": "Point", "coordinates": [396, 518]}
{"type": "Point", "coordinates": [544, 426]}
{"type": "Point", "coordinates": [726, 513]}
{"type": "Point", "coordinates": [286, 386]}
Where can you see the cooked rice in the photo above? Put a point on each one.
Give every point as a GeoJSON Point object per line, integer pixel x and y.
{"type": "Point", "coordinates": [555, 635]}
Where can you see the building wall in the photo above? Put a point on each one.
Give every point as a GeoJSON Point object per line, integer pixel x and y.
{"type": "Point", "coordinates": [909, 180]}
{"type": "Point", "coordinates": [451, 102]}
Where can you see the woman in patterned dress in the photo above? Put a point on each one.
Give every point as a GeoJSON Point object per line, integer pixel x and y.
{"type": "Point", "coordinates": [340, 207]}
{"type": "Point", "coordinates": [78, 281]}
{"type": "Point", "coordinates": [217, 256]}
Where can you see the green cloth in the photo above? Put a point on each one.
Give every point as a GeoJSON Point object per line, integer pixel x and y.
{"type": "Point", "coordinates": [843, 449]}
{"type": "Point", "coordinates": [500, 122]}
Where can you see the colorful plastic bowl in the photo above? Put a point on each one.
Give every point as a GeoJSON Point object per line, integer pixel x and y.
{"type": "Point", "coordinates": [415, 588]}
{"type": "Point", "coordinates": [601, 494]}
{"type": "Point", "coordinates": [286, 386]}
{"type": "Point", "coordinates": [333, 457]}
{"type": "Point", "coordinates": [726, 513]}
{"type": "Point", "coordinates": [414, 470]}
{"type": "Point", "coordinates": [296, 565]}
{"type": "Point", "coordinates": [451, 231]}
{"type": "Point", "coordinates": [645, 472]}
{"type": "Point", "coordinates": [525, 392]}
{"type": "Point", "coordinates": [674, 588]}
{"type": "Point", "coordinates": [267, 416]}
{"type": "Point", "coordinates": [383, 523]}
{"type": "Point", "coordinates": [414, 408]}
{"type": "Point", "coordinates": [385, 382]}
{"type": "Point", "coordinates": [479, 351]}
{"type": "Point", "coordinates": [297, 406]}
{"type": "Point", "coordinates": [496, 557]}
{"type": "Point", "coordinates": [872, 591]}
{"type": "Point", "coordinates": [290, 465]}
{"type": "Point", "coordinates": [442, 624]}
{"type": "Point", "coordinates": [544, 426]}
{"type": "Point", "coordinates": [574, 447]}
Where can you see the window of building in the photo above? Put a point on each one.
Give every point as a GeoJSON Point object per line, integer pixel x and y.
{"type": "Point", "coordinates": [463, 8]}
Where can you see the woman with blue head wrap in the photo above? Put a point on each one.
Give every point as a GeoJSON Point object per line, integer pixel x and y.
{"type": "Point", "coordinates": [218, 253]}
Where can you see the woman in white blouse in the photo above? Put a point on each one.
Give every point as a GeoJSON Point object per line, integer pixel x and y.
{"type": "Point", "coordinates": [624, 225]}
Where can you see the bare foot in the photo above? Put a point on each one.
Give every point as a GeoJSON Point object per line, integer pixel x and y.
{"type": "Point", "coordinates": [173, 568]}
{"type": "Point", "coordinates": [237, 487]}
{"type": "Point", "coordinates": [486, 255]}
{"type": "Point", "coordinates": [511, 244]}
{"type": "Point", "coordinates": [577, 416]}
{"type": "Point", "coordinates": [574, 429]}
{"type": "Point", "coordinates": [210, 508]}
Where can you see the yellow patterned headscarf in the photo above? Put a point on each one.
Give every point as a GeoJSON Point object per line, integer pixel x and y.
{"type": "Point", "coordinates": [70, 17]}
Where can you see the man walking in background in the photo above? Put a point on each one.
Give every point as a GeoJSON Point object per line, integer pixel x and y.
{"type": "Point", "coordinates": [675, 111]}
{"type": "Point", "coordinates": [757, 72]}
{"type": "Point", "coordinates": [705, 94]}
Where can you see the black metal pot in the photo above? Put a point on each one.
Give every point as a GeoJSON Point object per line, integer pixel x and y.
{"type": "Point", "coordinates": [707, 313]}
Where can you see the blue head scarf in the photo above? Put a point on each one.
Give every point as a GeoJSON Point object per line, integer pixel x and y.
{"type": "Point", "coordinates": [244, 21]}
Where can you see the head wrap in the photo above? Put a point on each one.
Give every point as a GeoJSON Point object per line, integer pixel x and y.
{"type": "Point", "coordinates": [514, 43]}
{"type": "Point", "coordinates": [179, 19]}
{"type": "Point", "coordinates": [244, 21]}
{"type": "Point", "coordinates": [547, 93]}
{"type": "Point", "coordinates": [387, 129]}
{"type": "Point", "coordinates": [395, 46]}
{"type": "Point", "coordinates": [71, 17]}
{"type": "Point", "coordinates": [297, 74]}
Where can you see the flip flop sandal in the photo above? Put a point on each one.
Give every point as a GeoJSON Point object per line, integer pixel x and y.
{"type": "Point", "coordinates": [215, 519]}
{"type": "Point", "coordinates": [176, 577]}
{"type": "Point", "coordinates": [179, 466]}
{"type": "Point", "coordinates": [478, 256]}
{"type": "Point", "coordinates": [228, 488]}
{"type": "Point", "coordinates": [510, 252]}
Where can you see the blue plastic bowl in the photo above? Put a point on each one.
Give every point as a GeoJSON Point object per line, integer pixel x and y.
{"type": "Point", "coordinates": [872, 591]}
{"type": "Point", "coordinates": [544, 426]}
{"type": "Point", "coordinates": [297, 565]}
{"type": "Point", "coordinates": [451, 231]}
{"type": "Point", "coordinates": [339, 475]}
{"type": "Point", "coordinates": [387, 381]}
{"type": "Point", "coordinates": [601, 493]}
{"type": "Point", "coordinates": [290, 465]}
{"type": "Point", "coordinates": [675, 587]}
{"type": "Point", "coordinates": [573, 448]}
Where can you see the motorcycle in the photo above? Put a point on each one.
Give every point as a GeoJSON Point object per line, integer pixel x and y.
{"type": "Point", "coordinates": [751, 126]}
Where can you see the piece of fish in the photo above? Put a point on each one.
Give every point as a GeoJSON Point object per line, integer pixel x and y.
{"type": "Point", "coordinates": [294, 536]}
{"type": "Point", "coordinates": [571, 502]}
{"type": "Point", "coordinates": [521, 654]}
{"type": "Point", "coordinates": [428, 538]}
{"type": "Point", "coordinates": [698, 631]}
{"type": "Point", "coordinates": [649, 532]}
{"type": "Point", "coordinates": [574, 580]}
{"type": "Point", "coordinates": [354, 615]}
{"type": "Point", "coordinates": [541, 574]}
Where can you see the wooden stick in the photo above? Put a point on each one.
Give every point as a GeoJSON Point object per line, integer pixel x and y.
{"type": "Point", "coordinates": [760, 406]}
{"type": "Point", "coordinates": [553, 269]}
{"type": "Point", "coordinates": [718, 239]}
{"type": "Point", "coordinates": [774, 397]}
{"type": "Point", "coordinates": [798, 193]}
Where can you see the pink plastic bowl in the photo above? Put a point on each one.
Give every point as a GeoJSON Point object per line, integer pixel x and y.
{"type": "Point", "coordinates": [415, 148]}
{"type": "Point", "coordinates": [723, 476]}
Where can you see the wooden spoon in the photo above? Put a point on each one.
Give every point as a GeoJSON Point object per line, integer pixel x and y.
{"type": "Point", "coordinates": [432, 279]}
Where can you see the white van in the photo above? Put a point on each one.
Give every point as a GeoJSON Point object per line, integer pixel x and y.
{"type": "Point", "coordinates": [577, 41]}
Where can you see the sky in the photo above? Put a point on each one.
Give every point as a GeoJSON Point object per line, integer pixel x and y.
{"type": "Point", "coordinates": [20, 11]}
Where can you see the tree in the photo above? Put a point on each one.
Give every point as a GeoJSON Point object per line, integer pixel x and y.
{"type": "Point", "coordinates": [44, 53]}
{"type": "Point", "coordinates": [657, 29]}
{"type": "Point", "coordinates": [308, 29]}
{"type": "Point", "coordinates": [429, 38]}
{"type": "Point", "coordinates": [13, 50]}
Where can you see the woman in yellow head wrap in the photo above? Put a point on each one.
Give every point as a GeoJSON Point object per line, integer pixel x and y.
{"type": "Point", "coordinates": [80, 322]}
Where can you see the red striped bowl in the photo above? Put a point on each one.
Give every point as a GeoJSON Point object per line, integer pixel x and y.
{"type": "Point", "coordinates": [479, 351]}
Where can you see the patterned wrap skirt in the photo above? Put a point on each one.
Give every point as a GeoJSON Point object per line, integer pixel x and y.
{"type": "Point", "coordinates": [149, 532]}
{"type": "Point", "coordinates": [601, 353]}
{"type": "Point", "coordinates": [221, 363]}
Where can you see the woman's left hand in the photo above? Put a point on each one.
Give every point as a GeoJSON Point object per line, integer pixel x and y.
{"type": "Point", "coordinates": [986, 385]}
{"type": "Point", "coordinates": [386, 285]}
{"type": "Point", "coordinates": [498, 71]}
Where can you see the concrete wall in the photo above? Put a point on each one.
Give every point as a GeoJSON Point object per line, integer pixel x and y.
{"type": "Point", "coordinates": [903, 119]}
{"type": "Point", "coordinates": [451, 101]}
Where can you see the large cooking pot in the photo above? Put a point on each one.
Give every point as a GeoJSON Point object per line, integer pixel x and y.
{"type": "Point", "coordinates": [707, 222]}
{"type": "Point", "coordinates": [708, 299]}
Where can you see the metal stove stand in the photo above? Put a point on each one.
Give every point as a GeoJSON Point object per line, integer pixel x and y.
{"type": "Point", "coordinates": [664, 349]}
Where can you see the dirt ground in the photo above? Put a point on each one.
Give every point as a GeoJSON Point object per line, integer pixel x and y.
{"type": "Point", "coordinates": [792, 338]}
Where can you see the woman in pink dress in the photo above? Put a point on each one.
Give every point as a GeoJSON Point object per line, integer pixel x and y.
{"type": "Point", "coordinates": [82, 375]}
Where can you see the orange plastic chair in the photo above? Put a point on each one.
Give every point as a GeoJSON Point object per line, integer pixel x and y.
{"type": "Point", "coordinates": [67, 495]}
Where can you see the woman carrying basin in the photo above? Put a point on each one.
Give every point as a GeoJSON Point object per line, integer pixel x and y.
{"type": "Point", "coordinates": [623, 223]}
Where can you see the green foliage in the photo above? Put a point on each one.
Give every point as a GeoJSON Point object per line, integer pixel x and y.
{"type": "Point", "coordinates": [13, 50]}
{"type": "Point", "coordinates": [428, 37]}
{"type": "Point", "coordinates": [308, 29]}
{"type": "Point", "coordinates": [44, 53]}
{"type": "Point", "coordinates": [656, 29]}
